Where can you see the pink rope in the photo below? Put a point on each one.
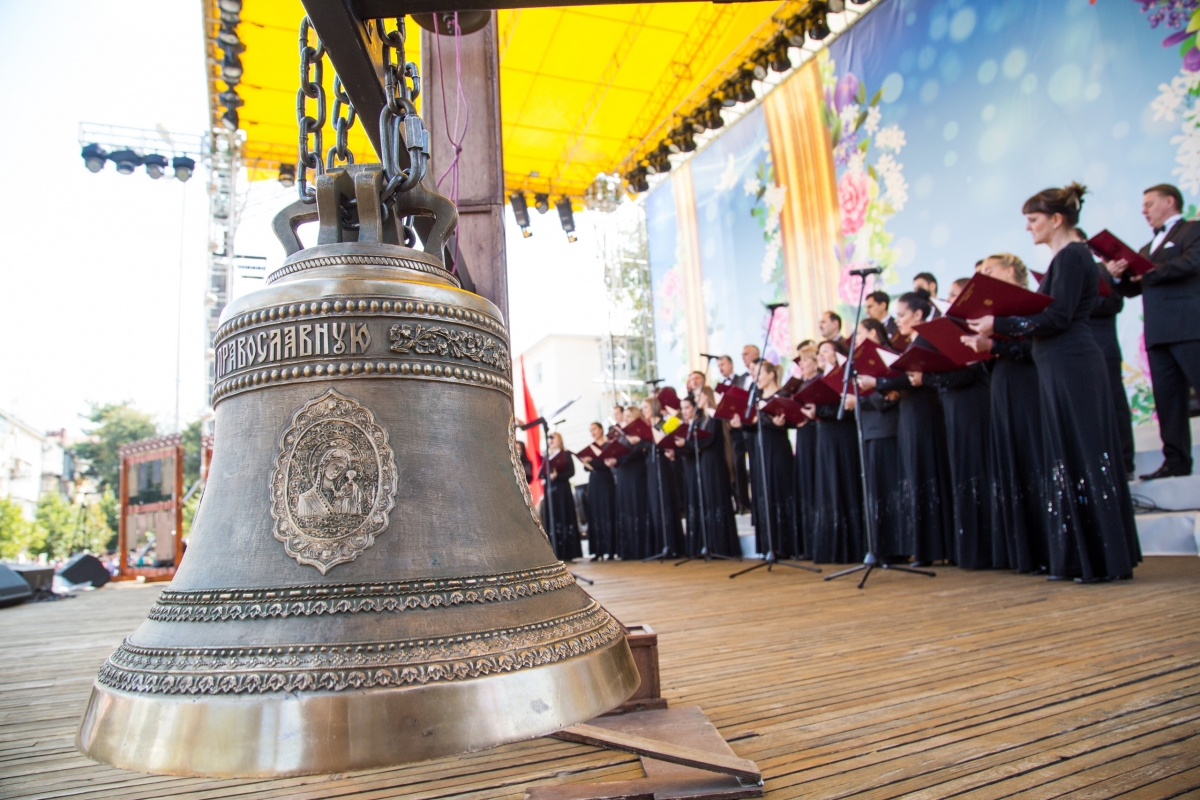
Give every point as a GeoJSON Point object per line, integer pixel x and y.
{"type": "Point", "coordinates": [460, 105]}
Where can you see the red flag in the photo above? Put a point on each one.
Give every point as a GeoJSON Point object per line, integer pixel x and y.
{"type": "Point", "coordinates": [533, 439]}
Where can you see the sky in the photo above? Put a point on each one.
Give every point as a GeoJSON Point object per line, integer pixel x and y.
{"type": "Point", "coordinates": [103, 275]}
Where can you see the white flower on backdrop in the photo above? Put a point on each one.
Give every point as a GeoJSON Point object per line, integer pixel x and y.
{"type": "Point", "coordinates": [890, 139]}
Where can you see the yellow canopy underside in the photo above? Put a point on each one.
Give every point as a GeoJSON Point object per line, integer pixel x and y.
{"type": "Point", "coordinates": [581, 88]}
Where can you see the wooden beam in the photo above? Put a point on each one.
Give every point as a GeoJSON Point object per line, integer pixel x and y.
{"type": "Point", "coordinates": [662, 751]}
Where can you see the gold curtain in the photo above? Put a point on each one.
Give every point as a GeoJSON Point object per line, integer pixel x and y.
{"type": "Point", "coordinates": [687, 254]}
{"type": "Point", "coordinates": [810, 220]}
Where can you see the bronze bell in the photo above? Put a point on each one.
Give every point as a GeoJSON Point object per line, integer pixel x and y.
{"type": "Point", "coordinates": [367, 583]}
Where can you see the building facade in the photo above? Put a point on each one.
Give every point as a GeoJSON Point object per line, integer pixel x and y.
{"type": "Point", "coordinates": [31, 463]}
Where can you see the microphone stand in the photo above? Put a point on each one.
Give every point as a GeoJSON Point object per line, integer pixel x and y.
{"type": "Point", "coordinates": [872, 560]}
{"type": "Point", "coordinates": [770, 560]}
{"type": "Point", "coordinates": [704, 551]}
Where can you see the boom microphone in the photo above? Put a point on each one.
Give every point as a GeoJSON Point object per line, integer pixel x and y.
{"type": "Point", "coordinates": [773, 306]}
{"type": "Point", "coordinates": [708, 355]}
{"type": "Point", "coordinates": [865, 271]}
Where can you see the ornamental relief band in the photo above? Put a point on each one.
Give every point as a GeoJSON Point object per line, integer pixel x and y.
{"type": "Point", "coordinates": [287, 343]}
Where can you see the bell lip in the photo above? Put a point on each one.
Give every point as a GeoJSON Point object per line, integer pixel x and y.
{"type": "Point", "coordinates": [313, 733]}
{"type": "Point", "coordinates": [319, 257]}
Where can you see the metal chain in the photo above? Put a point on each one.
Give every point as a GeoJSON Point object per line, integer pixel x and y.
{"type": "Point", "coordinates": [312, 72]}
{"type": "Point", "coordinates": [400, 127]}
{"type": "Point", "coordinates": [341, 125]}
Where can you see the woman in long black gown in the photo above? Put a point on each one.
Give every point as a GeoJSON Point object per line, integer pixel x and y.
{"type": "Point", "coordinates": [1094, 535]}
{"type": "Point", "coordinates": [881, 457]}
{"type": "Point", "coordinates": [633, 499]}
{"type": "Point", "coordinates": [601, 501]}
{"type": "Point", "coordinates": [773, 487]}
{"type": "Point", "coordinates": [709, 504]}
{"type": "Point", "coordinates": [838, 535]}
{"type": "Point", "coordinates": [806, 458]}
{"type": "Point", "coordinates": [664, 500]}
{"type": "Point", "coordinates": [1103, 322]}
{"type": "Point", "coordinates": [1020, 522]}
{"type": "Point", "coordinates": [565, 535]}
{"type": "Point", "coordinates": [967, 406]}
{"type": "Point", "coordinates": [925, 485]}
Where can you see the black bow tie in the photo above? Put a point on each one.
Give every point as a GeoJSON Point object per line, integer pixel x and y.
{"type": "Point", "coordinates": [1159, 229]}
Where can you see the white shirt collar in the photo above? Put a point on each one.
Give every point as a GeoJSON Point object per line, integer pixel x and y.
{"type": "Point", "coordinates": [1170, 223]}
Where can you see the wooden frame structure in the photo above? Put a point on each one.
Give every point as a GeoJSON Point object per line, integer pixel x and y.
{"type": "Point", "coordinates": [130, 455]}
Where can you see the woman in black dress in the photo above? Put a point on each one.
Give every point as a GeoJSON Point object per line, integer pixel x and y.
{"type": "Point", "coordinates": [1094, 536]}
{"type": "Point", "coordinates": [601, 501]}
{"type": "Point", "coordinates": [806, 458]}
{"type": "Point", "coordinates": [633, 499]}
{"type": "Point", "coordinates": [881, 457]}
{"type": "Point", "coordinates": [775, 497]}
{"type": "Point", "coordinates": [838, 535]}
{"type": "Point", "coordinates": [925, 486]}
{"type": "Point", "coordinates": [1020, 523]}
{"type": "Point", "coordinates": [966, 406]}
{"type": "Point", "coordinates": [709, 503]}
{"type": "Point", "coordinates": [565, 536]}
{"type": "Point", "coordinates": [664, 499]}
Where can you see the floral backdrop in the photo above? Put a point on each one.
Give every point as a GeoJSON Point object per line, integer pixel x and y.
{"type": "Point", "coordinates": [943, 116]}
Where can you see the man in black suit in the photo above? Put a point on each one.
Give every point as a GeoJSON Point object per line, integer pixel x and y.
{"type": "Point", "coordinates": [1171, 310]}
{"type": "Point", "coordinates": [740, 479]}
{"type": "Point", "coordinates": [830, 326]}
{"type": "Point", "coordinates": [876, 305]}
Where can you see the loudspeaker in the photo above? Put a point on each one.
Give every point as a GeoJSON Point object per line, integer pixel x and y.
{"type": "Point", "coordinates": [85, 568]}
{"type": "Point", "coordinates": [13, 588]}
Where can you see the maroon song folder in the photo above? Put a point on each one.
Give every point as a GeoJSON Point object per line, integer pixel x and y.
{"type": "Point", "coordinates": [792, 386]}
{"type": "Point", "coordinates": [984, 296]}
{"type": "Point", "coordinates": [560, 461]}
{"type": "Point", "coordinates": [868, 361]}
{"type": "Point", "coordinates": [945, 334]}
{"type": "Point", "coordinates": [639, 428]}
{"type": "Point", "coordinates": [733, 404]}
{"type": "Point", "coordinates": [821, 392]}
{"type": "Point", "coordinates": [779, 404]}
{"type": "Point", "coordinates": [684, 431]}
{"type": "Point", "coordinates": [1105, 289]}
{"type": "Point", "coordinates": [614, 449]}
{"type": "Point", "coordinates": [1110, 248]}
{"type": "Point", "coordinates": [922, 359]}
{"type": "Point", "coordinates": [591, 451]}
{"type": "Point", "coordinates": [668, 399]}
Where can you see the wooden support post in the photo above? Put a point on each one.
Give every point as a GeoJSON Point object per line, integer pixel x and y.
{"type": "Point", "coordinates": [122, 527]}
{"type": "Point", "coordinates": [178, 503]}
{"type": "Point", "coordinates": [480, 246]}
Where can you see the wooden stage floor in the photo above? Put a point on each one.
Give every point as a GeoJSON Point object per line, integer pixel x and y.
{"type": "Point", "coordinates": [970, 684]}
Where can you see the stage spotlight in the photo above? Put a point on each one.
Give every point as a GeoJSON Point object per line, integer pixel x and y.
{"type": "Point", "coordinates": [521, 212]}
{"type": "Point", "coordinates": [683, 139]}
{"type": "Point", "coordinates": [779, 55]}
{"type": "Point", "coordinates": [566, 216]}
{"type": "Point", "coordinates": [231, 18]}
{"type": "Point", "coordinates": [713, 119]}
{"type": "Point", "coordinates": [759, 64]}
{"type": "Point", "coordinates": [818, 26]}
{"type": "Point", "coordinates": [541, 201]}
{"type": "Point", "coordinates": [287, 175]}
{"type": "Point", "coordinates": [727, 94]}
{"type": "Point", "coordinates": [657, 162]}
{"type": "Point", "coordinates": [744, 93]}
{"type": "Point", "coordinates": [695, 123]}
{"type": "Point", "coordinates": [230, 99]}
{"type": "Point", "coordinates": [230, 6]}
{"type": "Point", "coordinates": [637, 180]}
{"type": "Point", "coordinates": [155, 164]}
{"type": "Point", "coordinates": [795, 30]}
{"type": "Point", "coordinates": [230, 119]}
{"type": "Point", "coordinates": [126, 160]}
{"type": "Point", "coordinates": [184, 167]}
{"type": "Point", "coordinates": [231, 68]}
{"type": "Point", "coordinates": [227, 35]}
{"type": "Point", "coordinates": [837, 6]}
{"type": "Point", "coordinates": [94, 157]}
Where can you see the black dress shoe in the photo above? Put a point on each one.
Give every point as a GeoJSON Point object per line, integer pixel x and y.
{"type": "Point", "coordinates": [1166, 471]}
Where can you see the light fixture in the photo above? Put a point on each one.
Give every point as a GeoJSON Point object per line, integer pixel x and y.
{"type": "Point", "coordinates": [567, 217]}
{"type": "Point", "coordinates": [230, 6]}
{"type": "Point", "coordinates": [231, 18]}
{"type": "Point", "coordinates": [795, 30]}
{"type": "Point", "coordinates": [838, 6]}
{"type": "Point", "coordinates": [126, 160]}
{"type": "Point", "coordinates": [94, 157]}
{"type": "Point", "coordinates": [541, 201]}
{"type": "Point", "coordinates": [155, 165]}
{"type": "Point", "coordinates": [727, 94]}
{"type": "Point", "coordinates": [184, 167]}
{"type": "Point", "coordinates": [759, 64]}
{"type": "Point", "coordinates": [231, 68]}
{"type": "Point", "coordinates": [695, 123]}
{"type": "Point", "coordinates": [680, 140]}
{"type": "Point", "coordinates": [521, 211]}
{"type": "Point", "coordinates": [230, 119]}
{"type": "Point", "coordinates": [713, 119]}
{"type": "Point", "coordinates": [744, 88]}
{"type": "Point", "coordinates": [780, 62]}
{"type": "Point", "coordinates": [227, 34]}
{"type": "Point", "coordinates": [818, 26]}
{"type": "Point", "coordinates": [287, 175]}
{"type": "Point", "coordinates": [637, 180]}
{"type": "Point", "coordinates": [231, 99]}
{"type": "Point", "coordinates": [656, 161]}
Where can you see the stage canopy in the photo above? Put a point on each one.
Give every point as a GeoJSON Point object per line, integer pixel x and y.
{"type": "Point", "coordinates": [581, 88]}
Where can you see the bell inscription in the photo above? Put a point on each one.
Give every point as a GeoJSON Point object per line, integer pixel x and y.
{"type": "Point", "coordinates": [334, 482]}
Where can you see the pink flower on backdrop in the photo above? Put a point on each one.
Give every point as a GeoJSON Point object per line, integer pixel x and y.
{"type": "Point", "coordinates": [779, 345]}
{"type": "Point", "coordinates": [853, 197]}
{"type": "Point", "coordinates": [848, 285]}
{"type": "Point", "coordinates": [672, 293]}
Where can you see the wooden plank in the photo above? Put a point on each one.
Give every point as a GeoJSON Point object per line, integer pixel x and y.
{"type": "Point", "coordinates": [663, 751]}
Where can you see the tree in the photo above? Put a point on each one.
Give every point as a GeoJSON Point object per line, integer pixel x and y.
{"type": "Point", "coordinates": [18, 535]}
{"type": "Point", "coordinates": [59, 521]}
{"type": "Point", "coordinates": [109, 512]}
{"type": "Point", "coordinates": [191, 454]}
{"type": "Point", "coordinates": [115, 424]}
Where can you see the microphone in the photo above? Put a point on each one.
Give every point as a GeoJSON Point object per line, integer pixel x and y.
{"type": "Point", "coordinates": [655, 382]}
{"type": "Point", "coordinates": [865, 271]}
{"type": "Point", "coordinates": [708, 355]}
{"type": "Point", "coordinates": [773, 306]}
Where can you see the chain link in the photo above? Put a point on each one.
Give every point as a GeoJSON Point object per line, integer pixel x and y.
{"type": "Point", "coordinates": [312, 73]}
{"type": "Point", "coordinates": [341, 125]}
{"type": "Point", "coordinates": [400, 127]}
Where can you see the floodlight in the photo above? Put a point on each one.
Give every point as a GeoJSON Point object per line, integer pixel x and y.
{"type": "Point", "coordinates": [184, 167]}
{"type": "Point", "coordinates": [155, 164]}
{"type": "Point", "coordinates": [94, 157]}
{"type": "Point", "coordinates": [287, 175]}
{"type": "Point", "coordinates": [126, 160]}
{"type": "Point", "coordinates": [521, 211]}
{"type": "Point", "coordinates": [541, 201]}
{"type": "Point", "coordinates": [567, 217]}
